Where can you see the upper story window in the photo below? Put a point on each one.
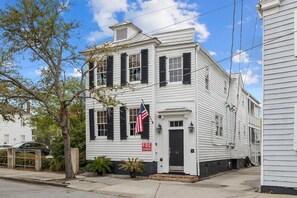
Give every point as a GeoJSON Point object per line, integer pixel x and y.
{"type": "Point", "coordinates": [6, 138]}
{"type": "Point", "coordinates": [134, 67]}
{"type": "Point", "coordinates": [175, 69]}
{"type": "Point", "coordinates": [219, 125]}
{"type": "Point", "coordinates": [102, 122]}
{"type": "Point", "coordinates": [23, 138]}
{"type": "Point", "coordinates": [225, 87]}
{"type": "Point", "coordinates": [121, 34]}
{"type": "Point", "coordinates": [207, 78]}
{"type": "Point", "coordinates": [101, 72]}
{"type": "Point", "coordinates": [132, 120]}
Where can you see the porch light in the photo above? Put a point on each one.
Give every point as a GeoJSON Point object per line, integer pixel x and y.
{"type": "Point", "coordinates": [191, 128]}
{"type": "Point", "coordinates": [159, 128]}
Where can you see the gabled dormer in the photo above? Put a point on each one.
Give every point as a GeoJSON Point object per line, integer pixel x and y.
{"type": "Point", "coordinates": [124, 31]}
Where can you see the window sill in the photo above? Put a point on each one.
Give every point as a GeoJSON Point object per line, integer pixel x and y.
{"type": "Point", "coordinates": [134, 137]}
{"type": "Point", "coordinates": [101, 138]}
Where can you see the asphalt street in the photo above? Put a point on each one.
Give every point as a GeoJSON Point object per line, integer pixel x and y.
{"type": "Point", "coordinates": [11, 189]}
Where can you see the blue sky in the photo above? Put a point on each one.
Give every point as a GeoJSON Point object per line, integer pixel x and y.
{"type": "Point", "coordinates": [213, 28]}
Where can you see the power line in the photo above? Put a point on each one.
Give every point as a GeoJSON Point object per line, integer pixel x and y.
{"type": "Point", "coordinates": [222, 60]}
{"type": "Point", "coordinates": [232, 45]}
{"type": "Point", "coordinates": [199, 15]}
{"type": "Point", "coordinates": [251, 53]}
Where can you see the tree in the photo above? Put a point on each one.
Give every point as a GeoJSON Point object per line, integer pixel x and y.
{"type": "Point", "coordinates": [38, 29]}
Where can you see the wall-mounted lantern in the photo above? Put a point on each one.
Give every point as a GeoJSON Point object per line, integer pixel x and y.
{"type": "Point", "coordinates": [191, 128]}
{"type": "Point", "coordinates": [159, 128]}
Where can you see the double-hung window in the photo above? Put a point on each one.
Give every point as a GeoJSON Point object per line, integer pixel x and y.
{"type": "Point", "coordinates": [134, 67]}
{"type": "Point", "coordinates": [102, 122]}
{"type": "Point", "coordinates": [175, 69]}
{"type": "Point", "coordinates": [132, 120]}
{"type": "Point", "coordinates": [207, 78]}
{"type": "Point", "coordinates": [219, 125]}
{"type": "Point", "coordinates": [101, 72]}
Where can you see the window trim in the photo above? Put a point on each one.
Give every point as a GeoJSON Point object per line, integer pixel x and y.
{"type": "Point", "coordinates": [96, 73]}
{"type": "Point", "coordinates": [128, 123]}
{"type": "Point", "coordinates": [128, 68]}
{"type": "Point", "coordinates": [96, 124]}
{"type": "Point", "coordinates": [222, 125]}
{"type": "Point", "coordinates": [168, 71]}
{"type": "Point", "coordinates": [116, 35]}
{"type": "Point", "coordinates": [206, 69]}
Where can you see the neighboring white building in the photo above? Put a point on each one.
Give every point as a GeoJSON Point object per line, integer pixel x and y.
{"type": "Point", "coordinates": [188, 97]}
{"type": "Point", "coordinates": [15, 132]}
{"type": "Point", "coordinates": [279, 166]}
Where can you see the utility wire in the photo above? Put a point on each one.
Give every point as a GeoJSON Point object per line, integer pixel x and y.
{"type": "Point", "coordinates": [208, 12]}
{"type": "Point", "coordinates": [251, 53]}
{"type": "Point", "coordinates": [232, 45]}
{"type": "Point", "coordinates": [199, 15]}
{"type": "Point", "coordinates": [222, 60]}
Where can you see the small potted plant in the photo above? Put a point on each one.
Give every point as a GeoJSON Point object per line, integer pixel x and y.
{"type": "Point", "coordinates": [101, 165]}
{"type": "Point", "coordinates": [133, 165]}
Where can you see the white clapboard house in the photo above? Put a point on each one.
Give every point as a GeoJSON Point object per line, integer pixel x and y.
{"type": "Point", "coordinates": [279, 167]}
{"type": "Point", "coordinates": [188, 98]}
{"type": "Point", "coordinates": [12, 132]}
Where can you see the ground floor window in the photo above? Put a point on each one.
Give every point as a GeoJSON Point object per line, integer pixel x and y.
{"type": "Point", "coordinates": [102, 123]}
{"type": "Point", "coordinates": [132, 120]}
{"type": "Point", "coordinates": [219, 125]}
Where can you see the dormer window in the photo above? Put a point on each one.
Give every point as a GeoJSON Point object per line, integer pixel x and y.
{"type": "Point", "coordinates": [121, 34]}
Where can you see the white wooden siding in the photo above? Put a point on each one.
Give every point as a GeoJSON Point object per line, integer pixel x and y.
{"type": "Point", "coordinates": [280, 90]}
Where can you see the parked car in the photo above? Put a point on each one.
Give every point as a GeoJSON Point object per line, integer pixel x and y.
{"type": "Point", "coordinates": [4, 146]}
{"type": "Point", "coordinates": [31, 147]}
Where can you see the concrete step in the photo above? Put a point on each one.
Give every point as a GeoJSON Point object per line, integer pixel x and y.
{"type": "Point", "coordinates": [174, 177]}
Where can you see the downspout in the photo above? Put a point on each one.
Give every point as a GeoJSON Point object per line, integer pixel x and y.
{"type": "Point", "coordinates": [197, 48]}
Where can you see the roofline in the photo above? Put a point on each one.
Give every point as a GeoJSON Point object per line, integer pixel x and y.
{"type": "Point", "coordinates": [127, 23]}
{"type": "Point", "coordinates": [173, 31]}
{"type": "Point", "coordinates": [212, 59]}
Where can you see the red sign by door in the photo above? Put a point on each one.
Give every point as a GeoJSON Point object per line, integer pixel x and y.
{"type": "Point", "coordinates": [146, 146]}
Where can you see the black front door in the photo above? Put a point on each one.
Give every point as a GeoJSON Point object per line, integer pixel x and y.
{"type": "Point", "coordinates": [176, 150]}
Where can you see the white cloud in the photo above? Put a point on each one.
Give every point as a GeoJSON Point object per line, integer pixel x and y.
{"type": "Point", "coordinates": [249, 77]}
{"type": "Point", "coordinates": [241, 57]}
{"type": "Point", "coordinates": [212, 53]}
{"type": "Point", "coordinates": [41, 70]}
{"type": "Point", "coordinates": [106, 12]}
{"type": "Point", "coordinates": [76, 73]}
{"type": "Point", "coordinates": [259, 62]}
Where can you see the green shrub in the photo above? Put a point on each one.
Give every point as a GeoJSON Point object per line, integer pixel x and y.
{"type": "Point", "coordinates": [100, 165]}
{"type": "Point", "coordinates": [25, 159]}
{"type": "Point", "coordinates": [57, 165]}
{"type": "Point", "coordinates": [45, 162]}
{"type": "Point", "coordinates": [247, 161]}
{"type": "Point", "coordinates": [3, 156]}
{"type": "Point", "coordinates": [133, 165]}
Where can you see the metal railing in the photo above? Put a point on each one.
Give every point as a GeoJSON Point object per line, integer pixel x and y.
{"type": "Point", "coordinates": [24, 159]}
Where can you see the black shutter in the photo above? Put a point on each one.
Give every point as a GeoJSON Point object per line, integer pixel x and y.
{"type": "Point", "coordinates": [144, 66]}
{"type": "Point", "coordinates": [123, 69]}
{"type": "Point", "coordinates": [110, 123]}
{"type": "Point", "coordinates": [109, 81]}
{"type": "Point", "coordinates": [92, 125]}
{"type": "Point", "coordinates": [123, 123]}
{"type": "Point", "coordinates": [162, 62]}
{"type": "Point", "coordinates": [187, 68]}
{"type": "Point", "coordinates": [146, 125]}
{"type": "Point", "coordinates": [91, 75]}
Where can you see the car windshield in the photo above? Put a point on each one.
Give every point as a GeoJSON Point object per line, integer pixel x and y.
{"type": "Point", "coordinates": [18, 145]}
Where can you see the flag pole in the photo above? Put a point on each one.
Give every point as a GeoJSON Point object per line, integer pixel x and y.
{"type": "Point", "coordinates": [148, 112]}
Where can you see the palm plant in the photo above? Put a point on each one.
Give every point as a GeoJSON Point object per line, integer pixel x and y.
{"type": "Point", "coordinates": [101, 165]}
{"type": "Point", "coordinates": [133, 165]}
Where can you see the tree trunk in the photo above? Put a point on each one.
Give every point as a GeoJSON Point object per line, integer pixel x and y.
{"type": "Point", "coordinates": [65, 126]}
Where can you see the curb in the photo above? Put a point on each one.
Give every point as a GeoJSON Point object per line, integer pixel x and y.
{"type": "Point", "coordinates": [31, 181]}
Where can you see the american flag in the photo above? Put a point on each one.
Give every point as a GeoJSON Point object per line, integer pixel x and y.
{"type": "Point", "coordinates": [142, 114]}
